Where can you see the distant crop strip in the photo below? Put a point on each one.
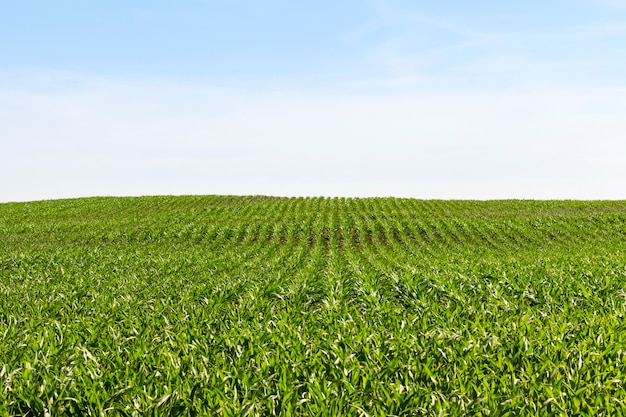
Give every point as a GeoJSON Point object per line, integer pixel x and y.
{"type": "Point", "coordinates": [218, 305]}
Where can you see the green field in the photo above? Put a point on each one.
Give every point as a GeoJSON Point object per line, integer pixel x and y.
{"type": "Point", "coordinates": [310, 306]}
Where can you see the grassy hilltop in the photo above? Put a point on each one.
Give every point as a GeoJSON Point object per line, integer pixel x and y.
{"type": "Point", "coordinates": [312, 306]}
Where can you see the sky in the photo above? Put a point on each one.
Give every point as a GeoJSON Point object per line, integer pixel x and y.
{"type": "Point", "coordinates": [451, 99]}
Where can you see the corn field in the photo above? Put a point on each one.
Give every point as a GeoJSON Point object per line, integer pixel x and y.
{"type": "Point", "coordinates": [267, 306]}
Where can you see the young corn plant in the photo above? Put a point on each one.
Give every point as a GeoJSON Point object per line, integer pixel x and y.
{"type": "Point", "coordinates": [265, 306]}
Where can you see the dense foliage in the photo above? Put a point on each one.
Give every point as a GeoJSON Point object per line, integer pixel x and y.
{"type": "Point", "coordinates": [312, 306]}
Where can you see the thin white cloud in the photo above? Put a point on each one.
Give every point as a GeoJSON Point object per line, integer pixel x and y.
{"type": "Point", "coordinates": [459, 52]}
{"type": "Point", "coordinates": [612, 3]}
{"type": "Point", "coordinates": [389, 14]}
{"type": "Point", "coordinates": [103, 137]}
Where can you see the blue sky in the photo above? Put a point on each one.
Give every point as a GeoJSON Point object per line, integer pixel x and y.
{"type": "Point", "coordinates": [452, 99]}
